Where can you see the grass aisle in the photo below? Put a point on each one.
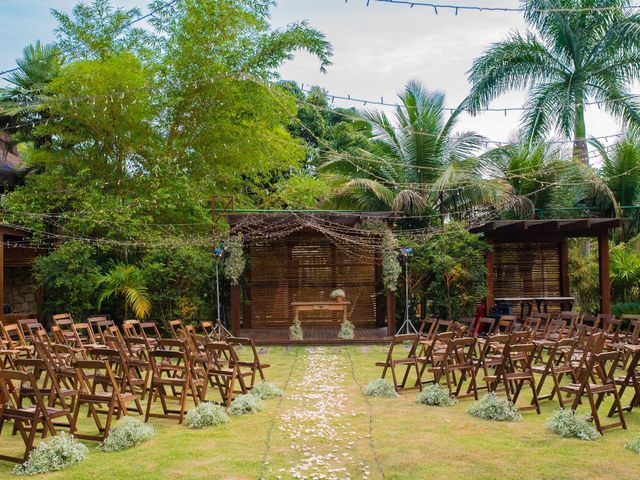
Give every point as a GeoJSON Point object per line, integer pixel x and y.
{"type": "Point", "coordinates": [322, 430]}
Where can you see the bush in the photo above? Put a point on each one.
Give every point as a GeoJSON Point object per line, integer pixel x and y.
{"type": "Point", "coordinates": [490, 407]}
{"type": "Point", "coordinates": [68, 273]}
{"type": "Point", "coordinates": [634, 445]}
{"type": "Point", "coordinates": [630, 308]}
{"type": "Point", "coordinates": [265, 391]}
{"type": "Point", "coordinates": [566, 424]}
{"type": "Point", "coordinates": [295, 331]}
{"type": "Point", "coordinates": [436, 396]}
{"type": "Point", "coordinates": [127, 433]}
{"type": "Point", "coordinates": [245, 404]}
{"type": "Point", "coordinates": [379, 388]}
{"type": "Point", "coordinates": [52, 455]}
{"type": "Point", "coordinates": [207, 414]}
{"type": "Point", "coordinates": [347, 330]}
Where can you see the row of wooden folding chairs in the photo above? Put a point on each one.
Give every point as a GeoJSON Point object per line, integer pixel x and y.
{"type": "Point", "coordinates": [110, 375]}
{"type": "Point", "coordinates": [508, 362]}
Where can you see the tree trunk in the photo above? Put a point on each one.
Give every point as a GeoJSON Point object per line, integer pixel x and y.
{"type": "Point", "coordinates": [580, 150]}
{"type": "Point", "coordinates": [581, 153]}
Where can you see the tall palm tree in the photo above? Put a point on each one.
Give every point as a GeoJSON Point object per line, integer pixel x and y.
{"type": "Point", "coordinates": [21, 102]}
{"type": "Point", "coordinates": [417, 162]}
{"type": "Point", "coordinates": [565, 60]}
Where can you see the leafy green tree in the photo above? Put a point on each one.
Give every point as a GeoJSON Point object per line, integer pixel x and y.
{"type": "Point", "coordinates": [97, 30]}
{"type": "Point", "coordinates": [420, 164]}
{"type": "Point", "coordinates": [67, 276]}
{"type": "Point", "coordinates": [129, 282]}
{"type": "Point", "coordinates": [564, 61]}
{"type": "Point", "coordinates": [448, 271]}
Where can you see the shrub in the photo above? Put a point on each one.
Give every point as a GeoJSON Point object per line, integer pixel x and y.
{"type": "Point", "coordinates": [295, 331]}
{"type": "Point", "coordinates": [207, 414]}
{"type": "Point", "coordinates": [630, 308]}
{"type": "Point", "coordinates": [245, 404]}
{"type": "Point", "coordinates": [347, 330]}
{"type": "Point", "coordinates": [127, 433]}
{"type": "Point", "coordinates": [634, 445]}
{"type": "Point", "coordinates": [490, 407]}
{"type": "Point", "coordinates": [436, 396]}
{"type": "Point", "coordinates": [266, 390]}
{"type": "Point", "coordinates": [69, 274]}
{"type": "Point", "coordinates": [379, 388]}
{"type": "Point", "coordinates": [566, 424]}
{"type": "Point", "coordinates": [52, 455]}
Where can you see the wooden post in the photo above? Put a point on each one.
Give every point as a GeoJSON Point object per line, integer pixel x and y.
{"type": "Point", "coordinates": [565, 291]}
{"type": "Point", "coordinates": [235, 310]}
{"type": "Point", "coordinates": [603, 270]}
{"type": "Point", "coordinates": [489, 267]}
{"type": "Point", "coordinates": [391, 313]}
{"type": "Point", "coordinates": [2, 277]}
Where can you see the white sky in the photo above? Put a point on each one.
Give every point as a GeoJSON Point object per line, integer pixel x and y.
{"type": "Point", "coordinates": [377, 49]}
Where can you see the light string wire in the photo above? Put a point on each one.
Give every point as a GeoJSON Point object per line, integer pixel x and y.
{"type": "Point", "coordinates": [481, 8]}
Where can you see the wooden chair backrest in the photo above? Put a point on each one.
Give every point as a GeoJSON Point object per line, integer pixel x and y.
{"type": "Point", "coordinates": [602, 321]}
{"type": "Point", "coordinates": [506, 323]}
{"type": "Point", "coordinates": [486, 326]}
{"type": "Point", "coordinates": [174, 327]}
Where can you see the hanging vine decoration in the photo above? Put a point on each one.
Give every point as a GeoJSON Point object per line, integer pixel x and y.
{"type": "Point", "coordinates": [391, 268]}
{"type": "Point", "coordinates": [234, 264]}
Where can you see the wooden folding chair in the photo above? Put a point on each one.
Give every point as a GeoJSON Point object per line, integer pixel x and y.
{"type": "Point", "coordinates": [428, 327]}
{"type": "Point", "coordinates": [99, 325]}
{"type": "Point", "coordinates": [458, 357]}
{"type": "Point", "coordinates": [170, 370]}
{"type": "Point", "coordinates": [595, 382]}
{"type": "Point", "coordinates": [253, 363]}
{"type": "Point", "coordinates": [65, 323]}
{"type": "Point", "coordinates": [409, 361]}
{"type": "Point", "coordinates": [631, 379]}
{"type": "Point", "coordinates": [98, 387]}
{"type": "Point", "coordinates": [513, 372]}
{"type": "Point", "coordinates": [556, 366]}
{"type": "Point", "coordinates": [27, 419]}
{"type": "Point", "coordinates": [14, 340]}
{"type": "Point", "coordinates": [50, 388]}
{"type": "Point", "coordinates": [174, 327]}
{"type": "Point", "coordinates": [223, 370]}
{"type": "Point", "coordinates": [505, 324]}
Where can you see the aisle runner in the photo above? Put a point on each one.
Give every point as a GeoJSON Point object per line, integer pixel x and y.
{"type": "Point", "coordinates": [318, 424]}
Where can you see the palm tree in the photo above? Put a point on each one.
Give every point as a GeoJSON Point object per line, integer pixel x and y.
{"type": "Point", "coordinates": [417, 162]}
{"type": "Point", "coordinates": [565, 60]}
{"type": "Point", "coordinates": [621, 172]}
{"type": "Point", "coordinates": [127, 281]}
{"type": "Point", "coordinates": [21, 104]}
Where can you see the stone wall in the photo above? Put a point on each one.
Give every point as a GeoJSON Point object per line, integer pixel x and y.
{"type": "Point", "coordinates": [19, 290]}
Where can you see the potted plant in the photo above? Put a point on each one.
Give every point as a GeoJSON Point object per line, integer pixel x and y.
{"type": "Point", "coordinates": [338, 295]}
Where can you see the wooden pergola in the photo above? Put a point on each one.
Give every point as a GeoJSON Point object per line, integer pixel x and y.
{"type": "Point", "coordinates": [295, 258]}
{"type": "Point", "coordinates": [530, 258]}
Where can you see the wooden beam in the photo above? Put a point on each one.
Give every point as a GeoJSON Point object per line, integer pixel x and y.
{"type": "Point", "coordinates": [391, 313]}
{"type": "Point", "coordinates": [235, 310]}
{"type": "Point", "coordinates": [564, 268]}
{"type": "Point", "coordinates": [603, 270]}
{"type": "Point", "coordinates": [490, 286]}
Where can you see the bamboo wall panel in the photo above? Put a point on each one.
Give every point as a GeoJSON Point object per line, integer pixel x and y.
{"type": "Point", "coordinates": [527, 270]}
{"type": "Point", "coordinates": [306, 267]}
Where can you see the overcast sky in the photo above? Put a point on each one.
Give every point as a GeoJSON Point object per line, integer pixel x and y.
{"type": "Point", "coordinates": [377, 49]}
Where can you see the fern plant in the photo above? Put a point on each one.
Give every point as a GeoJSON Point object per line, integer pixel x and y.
{"type": "Point", "coordinates": [127, 433]}
{"type": "Point", "coordinates": [567, 424]}
{"type": "Point", "coordinates": [436, 396]}
{"type": "Point", "coordinates": [379, 388]}
{"type": "Point", "coordinates": [490, 407]}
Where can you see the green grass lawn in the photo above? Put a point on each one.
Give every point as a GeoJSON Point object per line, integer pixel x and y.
{"type": "Point", "coordinates": [324, 424]}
